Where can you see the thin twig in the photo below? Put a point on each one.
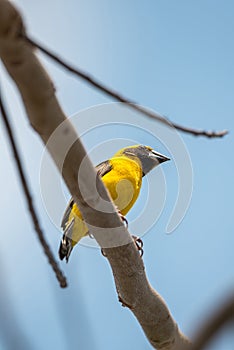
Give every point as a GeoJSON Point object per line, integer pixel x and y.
{"type": "Point", "coordinates": [223, 315]}
{"type": "Point", "coordinates": [59, 274]}
{"type": "Point", "coordinates": [92, 81]}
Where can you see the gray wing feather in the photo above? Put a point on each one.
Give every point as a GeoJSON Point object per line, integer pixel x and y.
{"type": "Point", "coordinates": [67, 213]}
{"type": "Point", "coordinates": [102, 169]}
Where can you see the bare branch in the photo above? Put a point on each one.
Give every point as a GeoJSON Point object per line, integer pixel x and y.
{"type": "Point", "coordinates": [112, 93]}
{"type": "Point", "coordinates": [136, 293]}
{"type": "Point", "coordinates": [48, 119]}
{"type": "Point", "coordinates": [222, 316]}
{"type": "Point", "coordinates": [60, 277]}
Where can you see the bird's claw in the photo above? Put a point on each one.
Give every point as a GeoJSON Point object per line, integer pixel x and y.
{"type": "Point", "coordinates": [102, 251]}
{"type": "Point", "coordinates": [139, 244]}
{"type": "Point", "coordinates": [91, 235]}
{"type": "Point", "coordinates": [122, 217]}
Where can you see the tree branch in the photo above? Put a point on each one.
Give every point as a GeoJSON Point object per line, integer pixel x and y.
{"type": "Point", "coordinates": [60, 276]}
{"type": "Point", "coordinates": [46, 116]}
{"type": "Point", "coordinates": [223, 315]}
{"type": "Point", "coordinates": [118, 97]}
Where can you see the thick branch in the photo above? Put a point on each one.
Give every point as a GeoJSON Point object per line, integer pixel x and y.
{"type": "Point", "coordinates": [46, 116]}
{"type": "Point", "coordinates": [135, 292]}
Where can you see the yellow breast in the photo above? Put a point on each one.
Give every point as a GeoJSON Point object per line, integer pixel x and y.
{"type": "Point", "coordinates": [123, 182]}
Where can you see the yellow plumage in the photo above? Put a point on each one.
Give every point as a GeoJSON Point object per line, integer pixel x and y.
{"type": "Point", "coordinates": [123, 182]}
{"type": "Point", "coordinates": [122, 175]}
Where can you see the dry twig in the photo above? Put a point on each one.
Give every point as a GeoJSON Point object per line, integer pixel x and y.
{"type": "Point", "coordinates": [118, 97]}
{"type": "Point", "coordinates": [223, 315]}
{"type": "Point", "coordinates": [61, 278]}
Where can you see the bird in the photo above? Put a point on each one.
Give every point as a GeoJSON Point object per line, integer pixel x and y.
{"type": "Point", "coordinates": [122, 175]}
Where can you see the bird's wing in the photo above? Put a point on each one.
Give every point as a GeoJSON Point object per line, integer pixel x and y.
{"type": "Point", "coordinates": [67, 213]}
{"type": "Point", "coordinates": [102, 169]}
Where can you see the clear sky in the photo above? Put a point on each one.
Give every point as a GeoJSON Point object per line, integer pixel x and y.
{"type": "Point", "coordinates": [175, 57]}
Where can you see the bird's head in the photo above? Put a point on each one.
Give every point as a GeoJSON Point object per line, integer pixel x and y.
{"type": "Point", "coordinates": [145, 155]}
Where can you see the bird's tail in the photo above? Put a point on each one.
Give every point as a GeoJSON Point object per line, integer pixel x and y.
{"type": "Point", "coordinates": [65, 248]}
{"type": "Point", "coordinates": [66, 245]}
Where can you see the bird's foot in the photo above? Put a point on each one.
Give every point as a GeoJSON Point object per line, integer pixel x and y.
{"type": "Point", "coordinates": [91, 235]}
{"type": "Point", "coordinates": [139, 244]}
{"type": "Point", "coordinates": [103, 253]}
{"type": "Point", "coordinates": [125, 221]}
{"type": "Point", "coordinates": [122, 217]}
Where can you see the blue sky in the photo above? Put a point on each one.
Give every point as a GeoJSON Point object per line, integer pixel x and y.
{"type": "Point", "coordinates": [176, 58]}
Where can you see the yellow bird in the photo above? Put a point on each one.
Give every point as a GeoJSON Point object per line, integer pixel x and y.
{"type": "Point", "coordinates": [122, 175]}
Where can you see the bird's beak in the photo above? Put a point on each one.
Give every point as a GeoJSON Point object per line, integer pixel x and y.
{"type": "Point", "coordinates": [158, 156]}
